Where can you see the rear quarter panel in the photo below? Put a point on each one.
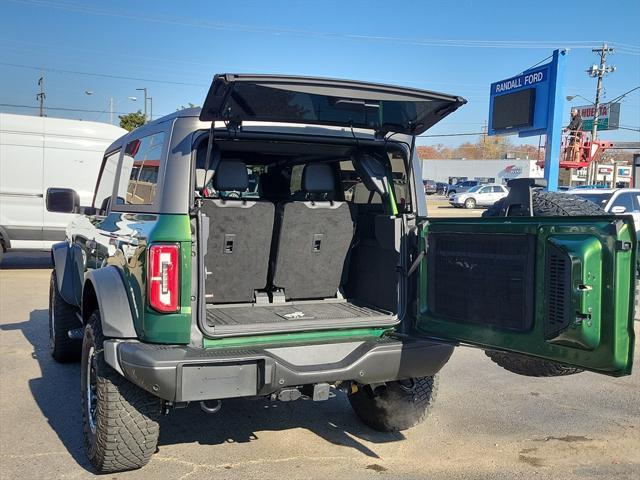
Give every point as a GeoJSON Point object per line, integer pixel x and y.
{"type": "Point", "coordinates": [131, 235]}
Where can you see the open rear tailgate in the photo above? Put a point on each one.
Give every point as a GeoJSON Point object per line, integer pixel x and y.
{"type": "Point", "coordinates": [321, 101]}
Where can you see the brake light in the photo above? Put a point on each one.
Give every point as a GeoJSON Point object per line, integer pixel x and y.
{"type": "Point", "coordinates": [163, 278]}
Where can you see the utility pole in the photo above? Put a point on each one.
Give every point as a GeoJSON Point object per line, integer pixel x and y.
{"type": "Point", "coordinates": [150, 108]}
{"type": "Point", "coordinates": [111, 110]}
{"type": "Point", "coordinates": [484, 137]}
{"type": "Point", "coordinates": [146, 119]}
{"type": "Point", "coordinates": [41, 96]}
{"type": "Point", "coordinates": [599, 73]}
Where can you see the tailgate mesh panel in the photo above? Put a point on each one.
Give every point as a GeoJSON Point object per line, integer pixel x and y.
{"type": "Point", "coordinates": [482, 278]}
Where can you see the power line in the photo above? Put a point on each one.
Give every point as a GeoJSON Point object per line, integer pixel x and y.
{"type": "Point", "coordinates": [84, 110]}
{"type": "Point", "coordinates": [103, 75]}
{"type": "Point", "coordinates": [198, 23]}
{"type": "Point", "coordinates": [536, 64]}
{"type": "Point", "coordinates": [451, 135]}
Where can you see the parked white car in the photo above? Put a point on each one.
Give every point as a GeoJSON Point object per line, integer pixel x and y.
{"type": "Point", "coordinates": [619, 201]}
{"type": "Point", "coordinates": [479, 196]}
{"type": "Point", "coordinates": [35, 154]}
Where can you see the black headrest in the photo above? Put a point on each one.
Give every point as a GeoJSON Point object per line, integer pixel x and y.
{"type": "Point", "coordinates": [231, 175]}
{"type": "Point", "coordinates": [318, 178]}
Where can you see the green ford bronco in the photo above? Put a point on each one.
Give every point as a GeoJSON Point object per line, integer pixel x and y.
{"type": "Point", "coordinates": [276, 244]}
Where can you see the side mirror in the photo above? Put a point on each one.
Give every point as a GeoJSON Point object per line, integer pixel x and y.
{"type": "Point", "coordinates": [619, 209]}
{"type": "Point", "coordinates": [62, 200]}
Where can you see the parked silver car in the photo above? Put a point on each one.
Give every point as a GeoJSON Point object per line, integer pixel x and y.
{"type": "Point", "coordinates": [479, 196]}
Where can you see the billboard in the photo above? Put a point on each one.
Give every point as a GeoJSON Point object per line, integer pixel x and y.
{"type": "Point", "coordinates": [520, 104]}
{"type": "Point", "coordinates": [530, 103]}
{"type": "Point", "coordinates": [608, 118]}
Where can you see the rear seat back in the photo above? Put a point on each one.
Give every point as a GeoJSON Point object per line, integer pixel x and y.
{"type": "Point", "coordinates": [240, 231]}
{"type": "Point", "coordinates": [314, 239]}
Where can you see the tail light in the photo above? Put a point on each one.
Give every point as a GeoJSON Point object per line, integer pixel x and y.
{"type": "Point", "coordinates": [163, 277]}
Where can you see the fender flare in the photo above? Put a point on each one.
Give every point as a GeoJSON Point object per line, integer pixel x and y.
{"type": "Point", "coordinates": [111, 299]}
{"type": "Point", "coordinates": [69, 267]}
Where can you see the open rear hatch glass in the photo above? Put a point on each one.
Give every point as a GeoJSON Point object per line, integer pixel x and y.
{"type": "Point", "coordinates": [288, 99]}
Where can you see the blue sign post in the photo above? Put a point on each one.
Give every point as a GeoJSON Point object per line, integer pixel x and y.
{"type": "Point", "coordinates": [554, 124]}
{"type": "Point", "coordinates": [531, 104]}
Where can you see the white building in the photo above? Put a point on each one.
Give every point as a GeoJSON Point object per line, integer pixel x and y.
{"type": "Point", "coordinates": [493, 171]}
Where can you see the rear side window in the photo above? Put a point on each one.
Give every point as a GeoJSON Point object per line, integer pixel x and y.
{"type": "Point", "coordinates": [140, 167]}
{"type": "Point", "coordinates": [356, 192]}
{"type": "Point", "coordinates": [104, 187]}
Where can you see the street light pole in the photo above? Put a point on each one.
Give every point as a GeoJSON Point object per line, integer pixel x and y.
{"type": "Point", "coordinates": [145, 102]}
{"type": "Point", "coordinates": [112, 104]}
{"type": "Point", "coordinates": [150, 108]}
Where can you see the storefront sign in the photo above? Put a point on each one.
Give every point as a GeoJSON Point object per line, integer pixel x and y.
{"type": "Point", "coordinates": [608, 118]}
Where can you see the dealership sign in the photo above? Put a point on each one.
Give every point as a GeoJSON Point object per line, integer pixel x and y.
{"type": "Point", "coordinates": [608, 118]}
{"type": "Point", "coordinates": [511, 171]}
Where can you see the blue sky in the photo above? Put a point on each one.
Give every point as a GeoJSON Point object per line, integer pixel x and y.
{"type": "Point", "coordinates": [175, 48]}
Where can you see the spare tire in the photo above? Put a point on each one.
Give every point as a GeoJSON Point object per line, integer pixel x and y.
{"type": "Point", "coordinates": [545, 204]}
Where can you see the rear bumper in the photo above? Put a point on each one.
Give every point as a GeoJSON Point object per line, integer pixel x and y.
{"type": "Point", "coordinates": [181, 374]}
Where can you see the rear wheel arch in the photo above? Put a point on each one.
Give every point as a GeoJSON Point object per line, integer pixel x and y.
{"type": "Point", "coordinates": [104, 290]}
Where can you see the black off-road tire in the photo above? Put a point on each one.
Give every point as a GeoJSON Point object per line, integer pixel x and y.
{"type": "Point", "coordinates": [529, 366]}
{"type": "Point", "coordinates": [553, 204]}
{"type": "Point", "coordinates": [122, 433]}
{"type": "Point", "coordinates": [403, 405]}
{"type": "Point", "coordinates": [62, 318]}
{"type": "Point", "coordinates": [545, 204]}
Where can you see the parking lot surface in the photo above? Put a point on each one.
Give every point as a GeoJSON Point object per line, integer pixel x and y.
{"type": "Point", "coordinates": [438, 206]}
{"type": "Point", "coordinates": [486, 423]}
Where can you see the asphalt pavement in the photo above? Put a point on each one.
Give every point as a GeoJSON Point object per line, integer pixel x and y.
{"type": "Point", "coordinates": [439, 206]}
{"type": "Point", "coordinates": [486, 423]}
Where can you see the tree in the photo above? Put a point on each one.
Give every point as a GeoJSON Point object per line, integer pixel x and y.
{"type": "Point", "coordinates": [132, 120]}
{"type": "Point", "coordinates": [468, 150]}
{"type": "Point", "coordinates": [425, 151]}
{"type": "Point", "coordinates": [495, 147]}
{"type": "Point", "coordinates": [189, 105]}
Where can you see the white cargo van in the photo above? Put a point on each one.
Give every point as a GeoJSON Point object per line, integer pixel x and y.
{"type": "Point", "coordinates": [39, 152]}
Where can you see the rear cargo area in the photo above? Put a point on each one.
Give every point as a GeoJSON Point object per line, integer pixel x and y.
{"type": "Point", "coordinates": [292, 244]}
{"type": "Point", "coordinates": [299, 316]}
